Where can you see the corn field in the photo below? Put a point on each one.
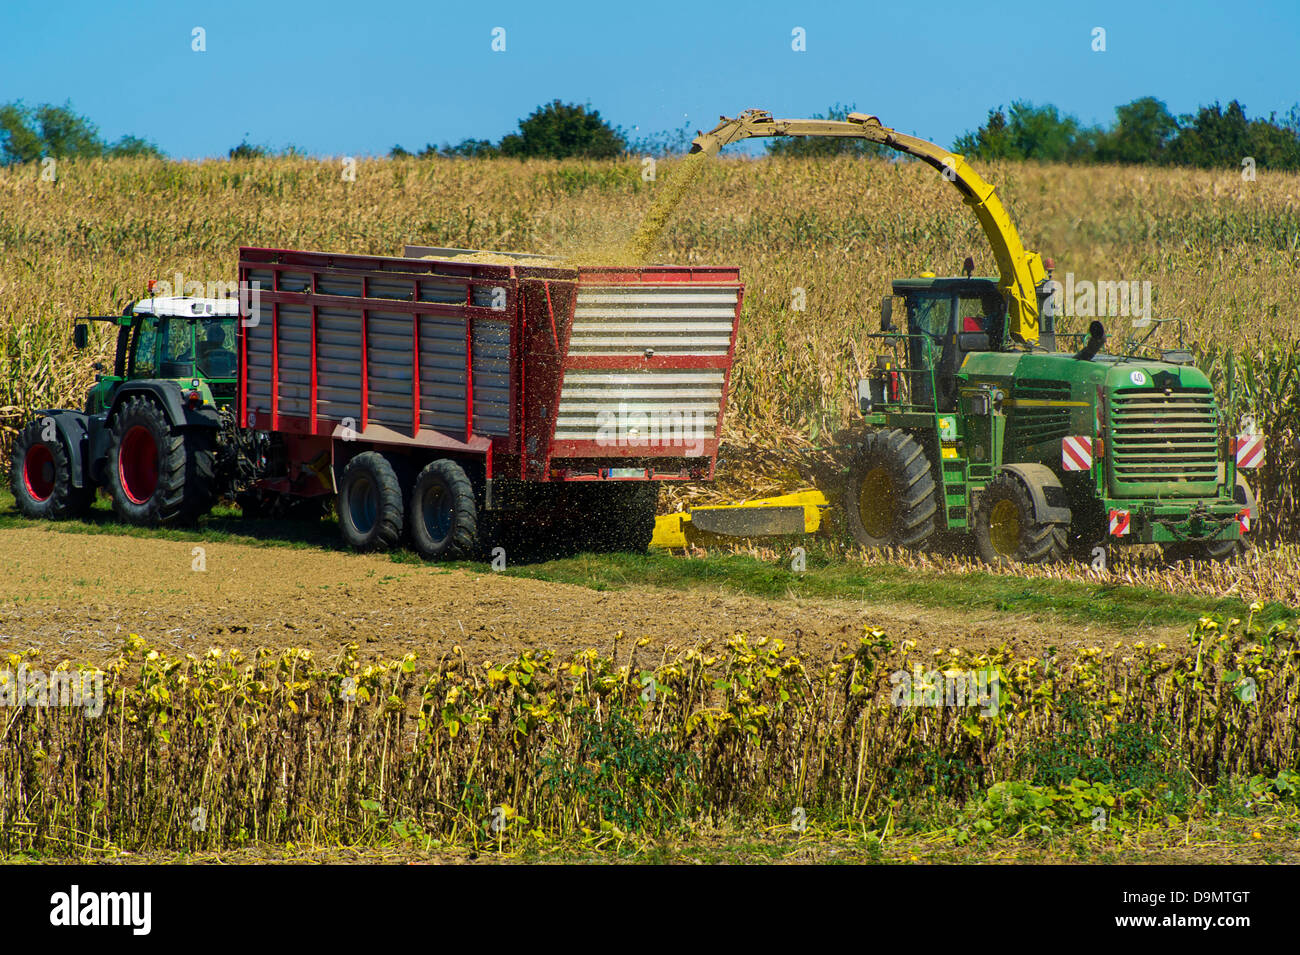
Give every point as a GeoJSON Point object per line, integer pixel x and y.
{"type": "Point", "coordinates": [818, 242]}
{"type": "Point", "coordinates": [283, 749]}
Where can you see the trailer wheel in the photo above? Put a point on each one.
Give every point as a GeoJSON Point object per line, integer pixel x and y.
{"type": "Point", "coordinates": [442, 515]}
{"type": "Point", "coordinates": [1220, 550]}
{"type": "Point", "coordinates": [40, 476]}
{"type": "Point", "coordinates": [890, 498]}
{"type": "Point", "coordinates": [158, 474]}
{"type": "Point", "coordinates": [370, 503]}
{"type": "Point", "coordinates": [1006, 529]}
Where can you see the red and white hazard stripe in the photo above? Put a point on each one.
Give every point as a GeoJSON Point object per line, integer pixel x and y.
{"type": "Point", "coordinates": [1119, 523]}
{"type": "Point", "coordinates": [1243, 520]}
{"type": "Point", "coordinates": [1076, 453]}
{"type": "Point", "coordinates": [1249, 449]}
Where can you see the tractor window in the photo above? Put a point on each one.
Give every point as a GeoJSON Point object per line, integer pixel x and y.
{"type": "Point", "coordinates": [144, 354]}
{"type": "Point", "coordinates": [178, 341]}
{"type": "Point", "coordinates": [216, 348]}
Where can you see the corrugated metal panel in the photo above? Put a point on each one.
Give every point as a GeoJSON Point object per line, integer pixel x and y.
{"type": "Point", "coordinates": [338, 364]}
{"type": "Point", "coordinates": [635, 406]}
{"type": "Point", "coordinates": [442, 373]}
{"type": "Point", "coordinates": [670, 320]}
{"type": "Point", "coordinates": [293, 328]}
{"type": "Point", "coordinates": [492, 377]}
{"type": "Point", "coordinates": [389, 341]}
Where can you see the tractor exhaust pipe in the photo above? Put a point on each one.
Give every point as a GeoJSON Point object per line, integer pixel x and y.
{"type": "Point", "coordinates": [1096, 338]}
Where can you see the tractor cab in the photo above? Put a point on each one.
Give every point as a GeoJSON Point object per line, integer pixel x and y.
{"type": "Point", "coordinates": [187, 340]}
{"type": "Point", "coordinates": [948, 318]}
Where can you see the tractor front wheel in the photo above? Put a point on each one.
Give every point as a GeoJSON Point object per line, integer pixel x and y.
{"type": "Point", "coordinates": [40, 476]}
{"type": "Point", "coordinates": [1007, 531]}
{"type": "Point", "coordinates": [158, 474]}
{"type": "Point", "coordinates": [890, 498]}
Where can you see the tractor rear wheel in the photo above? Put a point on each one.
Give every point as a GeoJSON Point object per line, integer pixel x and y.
{"type": "Point", "coordinates": [158, 474]}
{"type": "Point", "coordinates": [370, 503]}
{"type": "Point", "coordinates": [1007, 531]}
{"type": "Point", "coordinates": [890, 498]}
{"type": "Point", "coordinates": [40, 476]}
{"type": "Point", "coordinates": [442, 515]}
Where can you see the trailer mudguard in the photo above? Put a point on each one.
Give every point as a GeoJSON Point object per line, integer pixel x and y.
{"type": "Point", "coordinates": [1045, 491]}
{"type": "Point", "coordinates": [168, 396]}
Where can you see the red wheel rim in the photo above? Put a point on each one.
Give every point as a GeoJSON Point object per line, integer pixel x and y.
{"type": "Point", "coordinates": [137, 465]}
{"type": "Point", "coordinates": [38, 472]}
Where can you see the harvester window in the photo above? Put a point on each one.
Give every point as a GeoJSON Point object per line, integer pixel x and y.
{"type": "Point", "coordinates": [980, 313]}
{"type": "Point", "coordinates": [931, 314]}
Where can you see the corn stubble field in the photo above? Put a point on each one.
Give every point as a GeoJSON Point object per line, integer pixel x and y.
{"type": "Point", "coordinates": [537, 752]}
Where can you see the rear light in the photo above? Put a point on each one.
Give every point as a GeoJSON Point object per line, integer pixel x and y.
{"type": "Point", "coordinates": [193, 398]}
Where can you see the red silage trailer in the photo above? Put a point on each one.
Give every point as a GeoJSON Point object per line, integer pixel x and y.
{"type": "Point", "coordinates": [465, 402]}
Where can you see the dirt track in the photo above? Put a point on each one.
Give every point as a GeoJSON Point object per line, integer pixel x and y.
{"type": "Point", "coordinates": [77, 596]}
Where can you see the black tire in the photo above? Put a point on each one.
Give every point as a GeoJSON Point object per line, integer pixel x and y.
{"type": "Point", "coordinates": [442, 514]}
{"type": "Point", "coordinates": [158, 474]}
{"type": "Point", "coordinates": [1219, 550]}
{"type": "Point", "coordinates": [1006, 530]}
{"type": "Point", "coordinates": [890, 497]}
{"type": "Point", "coordinates": [370, 508]}
{"type": "Point", "coordinates": [40, 476]}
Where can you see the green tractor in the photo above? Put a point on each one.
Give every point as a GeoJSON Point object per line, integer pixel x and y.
{"type": "Point", "coordinates": [153, 432]}
{"type": "Point", "coordinates": [1036, 453]}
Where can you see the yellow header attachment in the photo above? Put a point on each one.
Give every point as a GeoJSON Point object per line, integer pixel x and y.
{"type": "Point", "coordinates": [1019, 271]}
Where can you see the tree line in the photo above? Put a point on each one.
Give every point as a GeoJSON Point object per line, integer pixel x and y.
{"type": "Point", "coordinates": [1144, 131]}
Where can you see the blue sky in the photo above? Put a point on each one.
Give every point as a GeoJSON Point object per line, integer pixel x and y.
{"type": "Point", "coordinates": [341, 77]}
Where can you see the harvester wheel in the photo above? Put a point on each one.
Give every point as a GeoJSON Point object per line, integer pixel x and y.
{"type": "Point", "coordinates": [1217, 550]}
{"type": "Point", "coordinates": [158, 474]}
{"type": "Point", "coordinates": [1006, 529]}
{"type": "Point", "coordinates": [40, 475]}
{"type": "Point", "coordinates": [370, 503]}
{"type": "Point", "coordinates": [890, 499]}
{"type": "Point", "coordinates": [442, 515]}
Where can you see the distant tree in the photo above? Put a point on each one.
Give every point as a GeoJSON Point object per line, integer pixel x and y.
{"type": "Point", "coordinates": [246, 150]}
{"type": "Point", "coordinates": [1217, 136]}
{"type": "Point", "coordinates": [560, 130]}
{"type": "Point", "coordinates": [397, 152]}
{"type": "Point", "coordinates": [1142, 132]}
{"type": "Point", "coordinates": [66, 134]}
{"type": "Point", "coordinates": [825, 145]}
{"type": "Point", "coordinates": [1029, 132]}
{"type": "Point", "coordinates": [468, 149]}
{"type": "Point", "coordinates": [19, 139]}
{"type": "Point", "coordinates": [135, 146]}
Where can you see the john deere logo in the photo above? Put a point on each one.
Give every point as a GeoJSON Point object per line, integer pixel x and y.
{"type": "Point", "coordinates": [1137, 378]}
